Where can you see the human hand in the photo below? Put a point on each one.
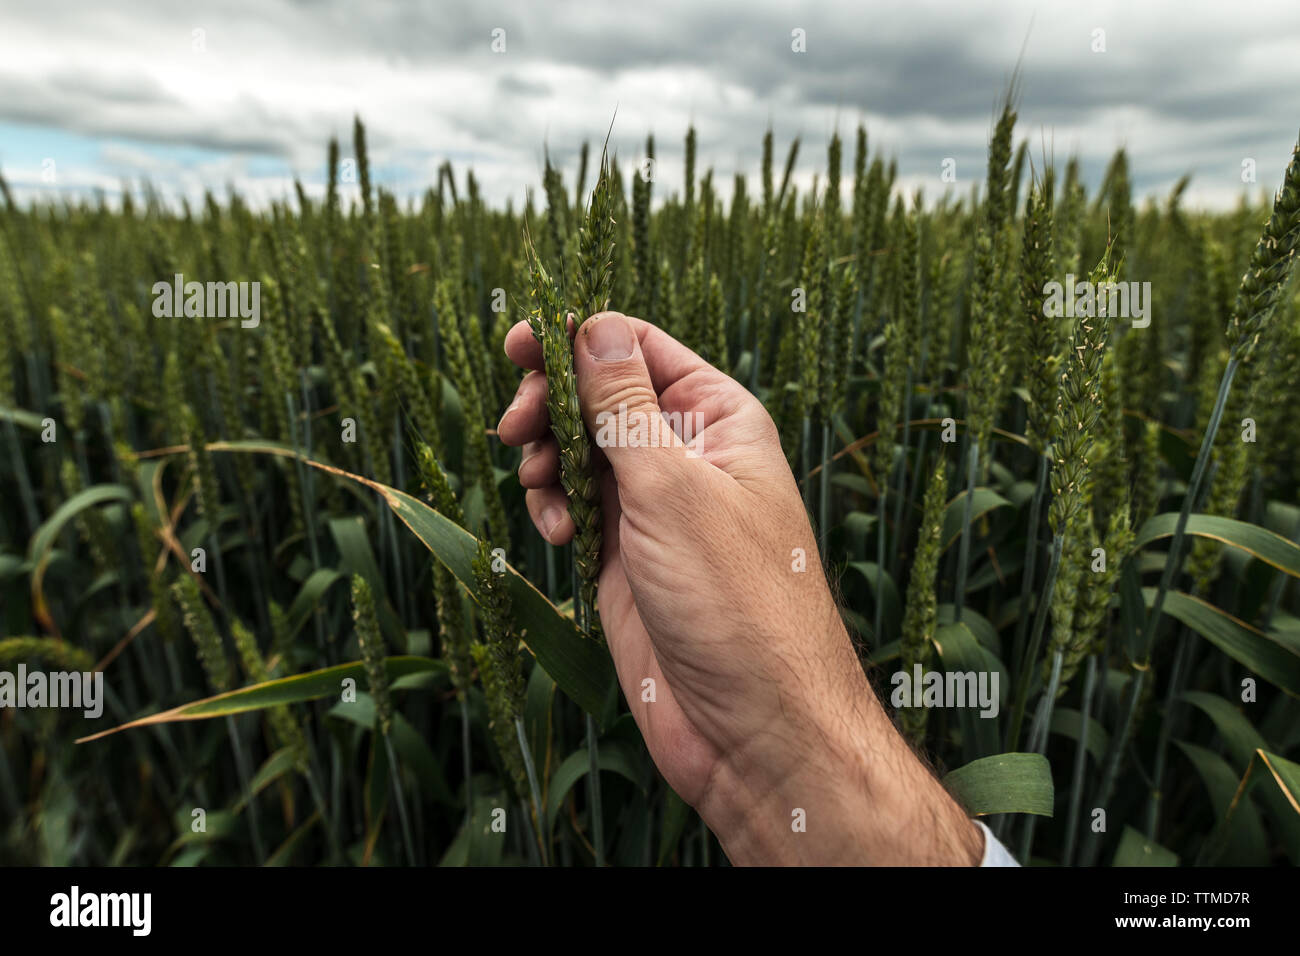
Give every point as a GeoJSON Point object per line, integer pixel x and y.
{"type": "Point", "coordinates": [761, 707]}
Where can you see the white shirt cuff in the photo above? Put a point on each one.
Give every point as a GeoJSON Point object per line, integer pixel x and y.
{"type": "Point", "coordinates": [995, 854]}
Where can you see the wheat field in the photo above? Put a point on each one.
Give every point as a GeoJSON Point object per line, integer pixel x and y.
{"type": "Point", "coordinates": [265, 494]}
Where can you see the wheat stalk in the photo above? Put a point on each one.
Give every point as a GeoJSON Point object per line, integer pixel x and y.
{"type": "Point", "coordinates": [548, 320]}
{"type": "Point", "coordinates": [921, 616]}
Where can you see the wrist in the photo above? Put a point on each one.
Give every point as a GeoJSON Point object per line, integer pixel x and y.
{"type": "Point", "coordinates": [835, 783]}
{"type": "Point", "coordinates": [791, 803]}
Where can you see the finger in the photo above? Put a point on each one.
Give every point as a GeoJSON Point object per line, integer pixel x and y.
{"type": "Point", "coordinates": [692, 394]}
{"type": "Point", "coordinates": [666, 359]}
{"type": "Point", "coordinates": [541, 464]}
{"type": "Point", "coordinates": [617, 394]}
{"type": "Point", "coordinates": [629, 643]}
{"type": "Point", "coordinates": [549, 509]}
{"type": "Point", "coordinates": [522, 349]}
{"type": "Point", "coordinates": [526, 419]}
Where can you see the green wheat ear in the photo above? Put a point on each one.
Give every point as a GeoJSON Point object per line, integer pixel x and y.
{"type": "Point", "coordinates": [436, 484]}
{"type": "Point", "coordinates": [283, 726]}
{"type": "Point", "coordinates": [499, 666]}
{"type": "Point", "coordinates": [922, 610]}
{"type": "Point", "coordinates": [596, 247]}
{"type": "Point", "coordinates": [52, 650]}
{"type": "Point", "coordinates": [1078, 413]}
{"type": "Point", "coordinates": [1271, 264]}
{"type": "Point", "coordinates": [812, 327]}
{"type": "Point", "coordinates": [477, 453]}
{"type": "Point", "coordinates": [148, 543]}
{"type": "Point", "coordinates": [900, 339]}
{"type": "Point", "coordinates": [1078, 405]}
{"type": "Point", "coordinates": [91, 524]}
{"type": "Point", "coordinates": [400, 368]}
{"type": "Point", "coordinates": [281, 635]}
{"type": "Point", "coordinates": [446, 588]}
{"type": "Point", "coordinates": [372, 650]}
{"type": "Point", "coordinates": [642, 247]}
{"type": "Point", "coordinates": [206, 490]}
{"type": "Point", "coordinates": [499, 628]}
{"type": "Point", "coordinates": [1042, 341]}
{"type": "Point", "coordinates": [203, 631]}
{"type": "Point", "coordinates": [549, 324]}
{"type": "Point", "coordinates": [986, 376]}
{"type": "Point", "coordinates": [715, 325]}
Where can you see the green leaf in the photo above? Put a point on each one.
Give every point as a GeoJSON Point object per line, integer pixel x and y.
{"type": "Point", "coordinates": [581, 667]}
{"type": "Point", "coordinates": [613, 756]}
{"type": "Point", "coordinates": [1066, 722]}
{"type": "Point", "coordinates": [1003, 783]}
{"type": "Point", "coordinates": [995, 572]}
{"type": "Point", "coordinates": [852, 482]}
{"type": "Point", "coordinates": [45, 535]}
{"type": "Point", "coordinates": [1132, 611]}
{"type": "Point", "coordinates": [1282, 772]}
{"type": "Point", "coordinates": [276, 766]}
{"type": "Point", "coordinates": [538, 699]}
{"type": "Point", "coordinates": [1267, 657]}
{"type": "Point", "coordinates": [1264, 766]}
{"type": "Point", "coordinates": [892, 614]}
{"type": "Point", "coordinates": [857, 525]}
{"type": "Point", "coordinates": [959, 650]}
{"type": "Point", "coordinates": [297, 689]}
{"type": "Point", "coordinates": [376, 793]}
{"type": "Point", "coordinates": [1246, 844]}
{"type": "Point", "coordinates": [1285, 774]}
{"type": "Point", "coordinates": [350, 537]}
{"type": "Point", "coordinates": [21, 417]}
{"type": "Point", "coordinates": [886, 653]}
{"type": "Point", "coordinates": [476, 844]}
{"type": "Point", "coordinates": [1240, 736]}
{"type": "Point", "coordinates": [11, 565]}
{"type": "Point", "coordinates": [1136, 850]}
{"type": "Point", "coordinates": [353, 542]}
{"type": "Point", "coordinates": [191, 856]}
{"type": "Point", "coordinates": [43, 540]}
{"type": "Point", "coordinates": [218, 825]}
{"type": "Point", "coordinates": [311, 593]}
{"type": "Point", "coordinates": [979, 625]}
{"type": "Point", "coordinates": [985, 500]}
{"type": "Point", "coordinates": [1267, 546]}
{"type": "Point", "coordinates": [283, 854]}
{"type": "Point", "coordinates": [412, 751]}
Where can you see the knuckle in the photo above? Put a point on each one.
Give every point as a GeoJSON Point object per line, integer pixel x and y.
{"type": "Point", "coordinates": [621, 390]}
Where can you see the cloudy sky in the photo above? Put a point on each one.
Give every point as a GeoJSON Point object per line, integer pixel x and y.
{"type": "Point", "coordinates": [248, 92]}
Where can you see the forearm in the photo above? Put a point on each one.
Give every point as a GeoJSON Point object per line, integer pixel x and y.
{"type": "Point", "coordinates": [835, 783]}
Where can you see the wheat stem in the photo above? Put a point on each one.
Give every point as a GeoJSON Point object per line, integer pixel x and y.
{"type": "Point", "coordinates": [1080, 763]}
{"type": "Point", "coordinates": [968, 512]}
{"type": "Point", "coordinates": [539, 808]}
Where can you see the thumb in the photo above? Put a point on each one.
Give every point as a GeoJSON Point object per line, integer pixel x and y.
{"type": "Point", "coordinates": [620, 405]}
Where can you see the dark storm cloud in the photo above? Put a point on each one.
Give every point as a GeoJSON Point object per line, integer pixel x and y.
{"type": "Point", "coordinates": [1198, 89]}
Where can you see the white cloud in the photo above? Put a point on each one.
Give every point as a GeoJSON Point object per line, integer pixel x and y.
{"type": "Point", "coordinates": [1196, 89]}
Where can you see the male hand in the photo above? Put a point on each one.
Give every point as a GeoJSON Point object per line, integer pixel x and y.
{"type": "Point", "coordinates": [711, 587]}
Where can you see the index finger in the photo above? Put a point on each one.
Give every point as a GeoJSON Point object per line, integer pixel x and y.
{"type": "Point", "coordinates": [666, 359]}
{"type": "Point", "coordinates": [524, 350]}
